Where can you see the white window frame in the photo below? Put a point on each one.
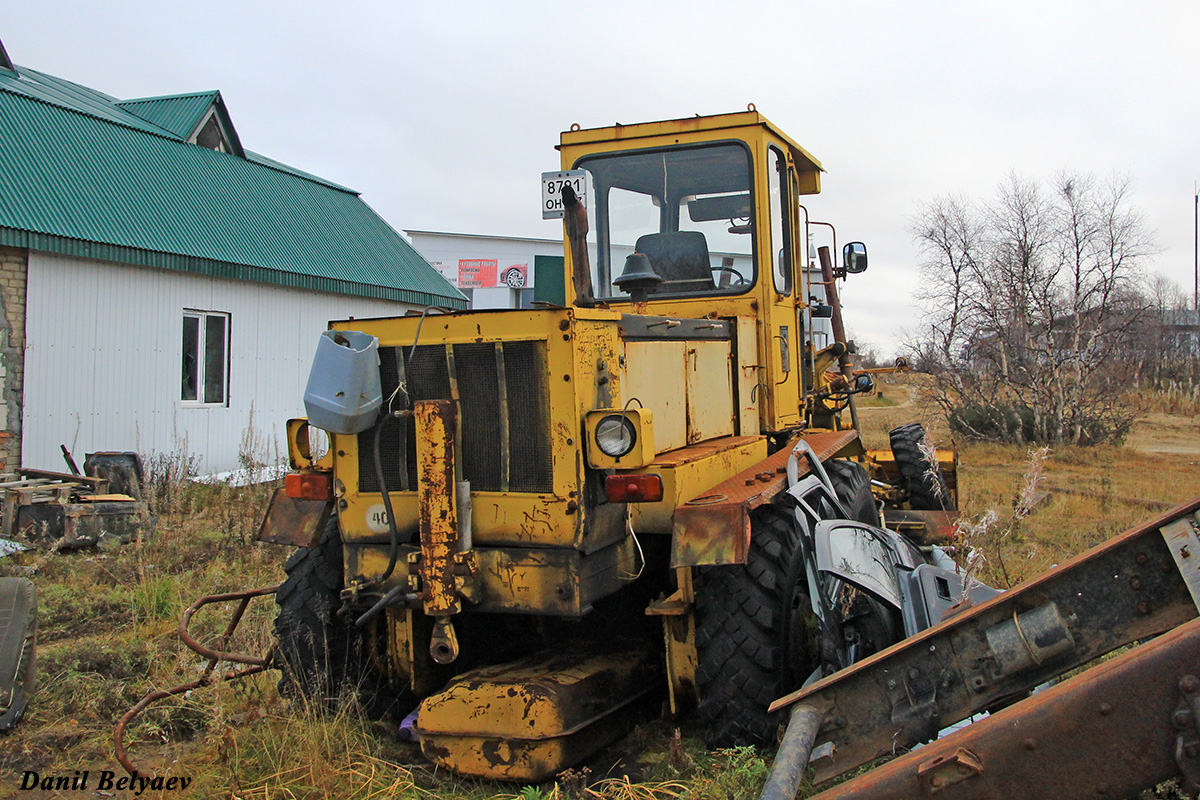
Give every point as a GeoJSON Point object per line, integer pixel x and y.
{"type": "Point", "coordinates": [201, 365]}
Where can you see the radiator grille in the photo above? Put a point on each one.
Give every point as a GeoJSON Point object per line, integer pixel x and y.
{"type": "Point", "coordinates": [477, 368]}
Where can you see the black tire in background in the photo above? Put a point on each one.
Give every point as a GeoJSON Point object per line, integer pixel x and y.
{"type": "Point", "coordinates": [927, 490]}
{"type": "Point", "coordinates": [756, 635]}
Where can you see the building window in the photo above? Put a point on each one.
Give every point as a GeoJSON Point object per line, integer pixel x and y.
{"type": "Point", "coordinates": [205, 358]}
{"type": "Point", "coordinates": [211, 135]}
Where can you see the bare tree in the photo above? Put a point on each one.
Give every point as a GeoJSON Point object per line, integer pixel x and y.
{"type": "Point", "coordinates": [1027, 299]}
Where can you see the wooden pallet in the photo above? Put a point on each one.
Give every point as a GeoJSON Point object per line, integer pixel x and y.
{"type": "Point", "coordinates": [32, 486]}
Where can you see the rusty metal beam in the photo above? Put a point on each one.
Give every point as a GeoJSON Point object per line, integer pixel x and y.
{"type": "Point", "coordinates": [714, 528]}
{"type": "Point", "coordinates": [1109, 732]}
{"type": "Point", "coordinates": [1124, 590]}
{"type": "Point", "coordinates": [435, 424]}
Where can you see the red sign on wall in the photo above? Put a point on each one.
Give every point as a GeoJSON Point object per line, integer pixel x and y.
{"type": "Point", "coordinates": [475, 273]}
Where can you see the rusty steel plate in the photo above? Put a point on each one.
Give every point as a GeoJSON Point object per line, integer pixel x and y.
{"type": "Point", "coordinates": [1122, 591]}
{"type": "Point", "coordinates": [299, 523]}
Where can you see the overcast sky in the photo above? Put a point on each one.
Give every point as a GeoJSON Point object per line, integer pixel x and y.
{"type": "Point", "coordinates": [444, 114]}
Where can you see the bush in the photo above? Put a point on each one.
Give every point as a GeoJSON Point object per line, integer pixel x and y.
{"type": "Point", "coordinates": [1019, 425]}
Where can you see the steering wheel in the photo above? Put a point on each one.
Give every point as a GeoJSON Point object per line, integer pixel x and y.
{"type": "Point", "coordinates": [727, 270]}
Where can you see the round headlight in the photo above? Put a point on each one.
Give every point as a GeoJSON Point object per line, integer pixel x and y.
{"type": "Point", "coordinates": [615, 436]}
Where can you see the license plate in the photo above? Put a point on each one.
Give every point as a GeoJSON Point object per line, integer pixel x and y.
{"type": "Point", "coordinates": [552, 188]}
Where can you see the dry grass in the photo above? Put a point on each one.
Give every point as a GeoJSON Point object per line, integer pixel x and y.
{"type": "Point", "coordinates": [107, 621]}
{"type": "Point", "coordinates": [108, 618]}
{"type": "Point", "coordinates": [1177, 399]}
{"type": "Point", "coordinates": [1160, 463]}
{"type": "Point", "coordinates": [107, 636]}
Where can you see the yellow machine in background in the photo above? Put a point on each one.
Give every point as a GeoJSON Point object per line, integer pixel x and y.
{"type": "Point", "coordinates": [558, 516]}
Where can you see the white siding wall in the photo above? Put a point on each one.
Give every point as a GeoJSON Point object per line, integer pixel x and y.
{"type": "Point", "coordinates": [103, 360]}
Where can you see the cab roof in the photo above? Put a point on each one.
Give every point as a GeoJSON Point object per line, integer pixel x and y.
{"type": "Point", "coordinates": [645, 130]}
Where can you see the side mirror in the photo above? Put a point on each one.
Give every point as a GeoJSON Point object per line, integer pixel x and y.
{"type": "Point", "coordinates": [854, 258]}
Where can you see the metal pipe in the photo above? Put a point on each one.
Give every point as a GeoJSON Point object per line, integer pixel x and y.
{"type": "Point", "coordinates": [839, 327]}
{"type": "Point", "coordinates": [208, 676]}
{"type": "Point", "coordinates": [393, 532]}
{"type": "Point", "coordinates": [783, 781]}
{"type": "Point", "coordinates": [576, 223]}
{"type": "Point", "coordinates": [219, 653]}
{"type": "Point", "coordinates": [389, 599]}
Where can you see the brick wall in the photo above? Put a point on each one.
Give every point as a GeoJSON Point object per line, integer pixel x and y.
{"type": "Point", "coordinates": [14, 265]}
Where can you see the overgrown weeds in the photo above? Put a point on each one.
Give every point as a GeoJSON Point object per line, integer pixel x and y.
{"type": "Point", "coordinates": [168, 476]}
{"type": "Point", "coordinates": [107, 635]}
{"type": "Point", "coordinates": [993, 535]}
{"type": "Point", "coordinates": [1175, 397]}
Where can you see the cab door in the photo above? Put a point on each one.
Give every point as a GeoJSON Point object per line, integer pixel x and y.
{"type": "Point", "coordinates": [784, 342]}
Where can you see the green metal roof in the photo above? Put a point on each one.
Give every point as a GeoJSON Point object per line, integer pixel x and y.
{"type": "Point", "coordinates": [92, 178]}
{"type": "Point", "coordinates": [41, 86]}
{"type": "Point", "coordinates": [178, 113]}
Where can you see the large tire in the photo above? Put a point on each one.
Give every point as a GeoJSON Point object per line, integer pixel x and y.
{"type": "Point", "coordinates": [322, 656]}
{"type": "Point", "coordinates": [756, 636]}
{"type": "Point", "coordinates": [853, 487]}
{"type": "Point", "coordinates": [927, 490]}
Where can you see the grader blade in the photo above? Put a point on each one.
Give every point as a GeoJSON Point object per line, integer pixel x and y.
{"type": "Point", "coordinates": [1109, 732]}
{"type": "Point", "coordinates": [1135, 586]}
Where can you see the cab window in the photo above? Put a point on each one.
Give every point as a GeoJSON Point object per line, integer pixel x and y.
{"type": "Point", "coordinates": [781, 245]}
{"type": "Point", "coordinates": [689, 209]}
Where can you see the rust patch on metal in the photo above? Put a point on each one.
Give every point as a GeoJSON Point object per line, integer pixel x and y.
{"type": "Point", "coordinates": [946, 770]}
{"type": "Point", "coordinates": [295, 522]}
{"type": "Point", "coordinates": [435, 424]}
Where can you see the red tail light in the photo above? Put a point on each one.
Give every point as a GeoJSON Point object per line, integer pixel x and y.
{"type": "Point", "coordinates": [308, 485]}
{"type": "Point", "coordinates": [633, 488]}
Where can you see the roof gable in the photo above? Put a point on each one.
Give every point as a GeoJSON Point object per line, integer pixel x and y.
{"type": "Point", "coordinates": [191, 117]}
{"type": "Point", "coordinates": [95, 179]}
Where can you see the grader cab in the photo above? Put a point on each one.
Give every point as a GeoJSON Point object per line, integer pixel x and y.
{"type": "Point", "coordinates": [539, 525]}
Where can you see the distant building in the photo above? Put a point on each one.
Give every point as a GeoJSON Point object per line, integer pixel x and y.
{"type": "Point", "coordinates": [160, 283]}
{"type": "Point", "coordinates": [496, 271]}
{"type": "Point", "coordinates": [512, 271]}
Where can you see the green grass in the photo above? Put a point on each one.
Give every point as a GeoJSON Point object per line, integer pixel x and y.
{"type": "Point", "coordinates": [880, 400]}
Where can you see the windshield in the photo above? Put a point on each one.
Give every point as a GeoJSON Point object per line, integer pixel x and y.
{"type": "Point", "coordinates": [690, 210]}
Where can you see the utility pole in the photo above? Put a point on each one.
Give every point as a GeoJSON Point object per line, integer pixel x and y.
{"type": "Point", "coordinates": [1196, 256]}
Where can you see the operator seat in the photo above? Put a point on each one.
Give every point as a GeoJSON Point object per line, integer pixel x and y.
{"type": "Point", "coordinates": [680, 258]}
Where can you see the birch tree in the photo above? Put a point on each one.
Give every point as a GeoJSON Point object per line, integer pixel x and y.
{"type": "Point", "coordinates": [1027, 299]}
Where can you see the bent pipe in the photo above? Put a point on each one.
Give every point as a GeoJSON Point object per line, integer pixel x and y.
{"type": "Point", "coordinates": [256, 664]}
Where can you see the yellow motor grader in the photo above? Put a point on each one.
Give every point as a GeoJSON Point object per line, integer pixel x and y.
{"type": "Point", "coordinates": [540, 525]}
